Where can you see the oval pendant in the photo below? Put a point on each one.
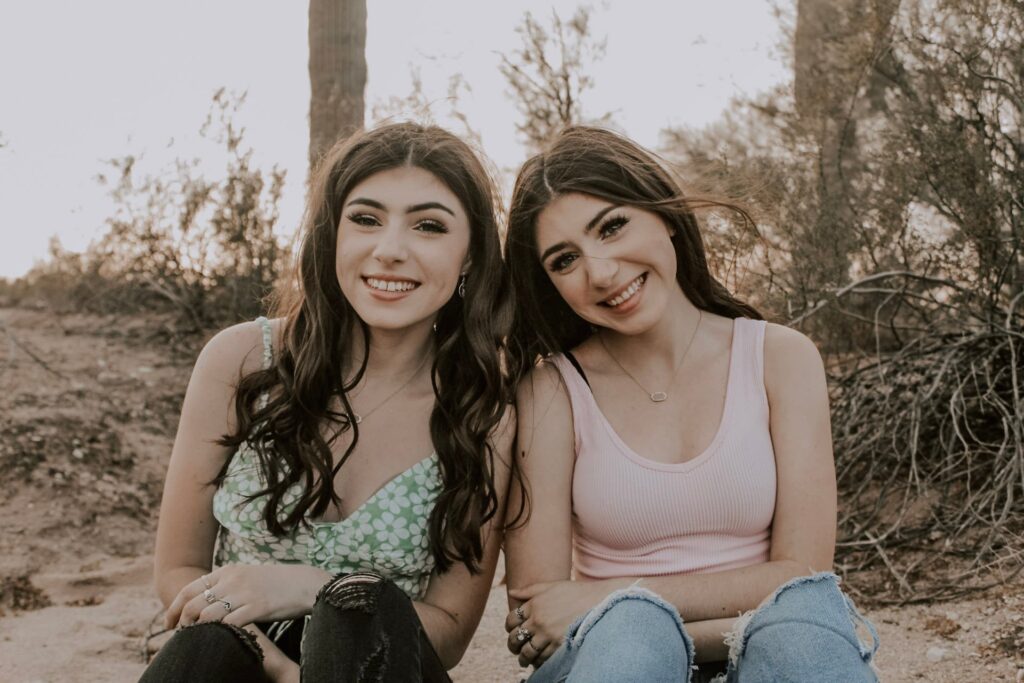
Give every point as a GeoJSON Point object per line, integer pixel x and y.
{"type": "Point", "coordinates": [659, 396]}
{"type": "Point", "coordinates": [359, 419]}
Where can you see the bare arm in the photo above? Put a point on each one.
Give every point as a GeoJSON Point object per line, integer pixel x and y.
{"type": "Point", "coordinates": [187, 529]}
{"type": "Point", "coordinates": [709, 639]}
{"type": "Point", "coordinates": [539, 549]}
{"type": "Point", "coordinates": [803, 528]}
{"type": "Point", "coordinates": [454, 602]}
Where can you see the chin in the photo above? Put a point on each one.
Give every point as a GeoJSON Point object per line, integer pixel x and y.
{"type": "Point", "coordinates": [394, 319]}
{"type": "Point", "coordinates": [640, 321]}
{"type": "Point", "coordinates": [392, 322]}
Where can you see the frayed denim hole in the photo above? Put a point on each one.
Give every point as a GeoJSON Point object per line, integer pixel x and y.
{"type": "Point", "coordinates": [867, 653]}
{"type": "Point", "coordinates": [247, 639]}
{"type": "Point", "coordinates": [578, 633]}
{"type": "Point", "coordinates": [571, 633]}
{"type": "Point", "coordinates": [736, 638]}
{"type": "Point", "coordinates": [302, 640]}
{"type": "Point", "coordinates": [358, 591]}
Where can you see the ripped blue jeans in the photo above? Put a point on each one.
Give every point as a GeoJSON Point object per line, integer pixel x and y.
{"type": "Point", "coordinates": [805, 631]}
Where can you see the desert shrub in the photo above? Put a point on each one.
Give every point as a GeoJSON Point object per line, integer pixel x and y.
{"type": "Point", "coordinates": [203, 248]}
{"type": "Point", "coordinates": [890, 202]}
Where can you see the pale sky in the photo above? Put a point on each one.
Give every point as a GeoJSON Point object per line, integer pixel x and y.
{"type": "Point", "coordinates": [83, 82]}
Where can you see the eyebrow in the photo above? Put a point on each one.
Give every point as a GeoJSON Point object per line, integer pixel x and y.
{"type": "Point", "coordinates": [598, 216]}
{"type": "Point", "coordinates": [590, 226]}
{"type": "Point", "coordinates": [412, 209]}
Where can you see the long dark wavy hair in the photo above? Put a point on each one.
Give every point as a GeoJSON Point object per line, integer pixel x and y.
{"type": "Point", "coordinates": [471, 390]}
{"type": "Point", "coordinates": [606, 165]}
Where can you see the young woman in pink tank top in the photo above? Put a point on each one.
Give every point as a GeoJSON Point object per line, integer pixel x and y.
{"type": "Point", "coordinates": [677, 449]}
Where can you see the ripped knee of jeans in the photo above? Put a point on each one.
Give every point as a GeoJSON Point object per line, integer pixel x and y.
{"type": "Point", "coordinates": [736, 639]}
{"type": "Point", "coordinates": [247, 639]}
{"type": "Point", "coordinates": [357, 591]}
{"type": "Point", "coordinates": [578, 631]}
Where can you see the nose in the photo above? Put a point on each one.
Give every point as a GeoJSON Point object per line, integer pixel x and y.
{"type": "Point", "coordinates": [391, 246]}
{"type": "Point", "coordinates": [601, 271]}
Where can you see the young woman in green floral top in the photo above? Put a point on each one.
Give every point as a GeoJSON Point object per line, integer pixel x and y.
{"type": "Point", "coordinates": [336, 490]}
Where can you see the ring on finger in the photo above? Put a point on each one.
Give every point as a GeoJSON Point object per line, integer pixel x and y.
{"type": "Point", "coordinates": [520, 614]}
{"type": "Point", "coordinates": [209, 596]}
{"type": "Point", "coordinates": [523, 634]}
{"type": "Point", "coordinates": [226, 604]}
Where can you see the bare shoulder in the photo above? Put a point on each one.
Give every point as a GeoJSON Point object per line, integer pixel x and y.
{"type": "Point", "coordinates": [236, 351]}
{"type": "Point", "coordinates": [784, 346]}
{"type": "Point", "coordinates": [543, 388]}
{"type": "Point", "coordinates": [791, 360]}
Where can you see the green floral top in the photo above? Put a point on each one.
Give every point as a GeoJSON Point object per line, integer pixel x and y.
{"type": "Point", "coordinates": [386, 534]}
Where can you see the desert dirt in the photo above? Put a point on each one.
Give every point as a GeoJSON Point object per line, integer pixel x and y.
{"type": "Point", "coordinates": [88, 408]}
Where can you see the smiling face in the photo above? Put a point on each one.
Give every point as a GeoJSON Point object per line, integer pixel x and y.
{"type": "Point", "coordinates": [402, 244]}
{"type": "Point", "coordinates": [614, 265]}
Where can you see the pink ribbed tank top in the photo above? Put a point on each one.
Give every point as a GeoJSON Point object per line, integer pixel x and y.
{"type": "Point", "coordinates": [638, 517]}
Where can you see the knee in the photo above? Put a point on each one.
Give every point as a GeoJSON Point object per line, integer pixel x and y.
{"type": "Point", "coordinates": [359, 591]}
{"type": "Point", "coordinates": [216, 636]}
{"type": "Point", "coordinates": [206, 651]}
{"type": "Point", "coordinates": [635, 625]}
{"type": "Point", "coordinates": [806, 624]}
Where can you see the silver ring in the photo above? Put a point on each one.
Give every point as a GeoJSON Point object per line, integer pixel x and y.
{"type": "Point", "coordinates": [522, 634]}
{"type": "Point", "coordinates": [209, 596]}
{"type": "Point", "coordinates": [520, 614]}
{"type": "Point", "coordinates": [227, 605]}
{"type": "Point", "coordinates": [206, 581]}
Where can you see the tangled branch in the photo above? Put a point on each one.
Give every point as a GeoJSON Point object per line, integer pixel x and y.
{"type": "Point", "coordinates": [929, 442]}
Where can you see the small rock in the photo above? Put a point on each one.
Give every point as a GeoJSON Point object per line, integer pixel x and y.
{"type": "Point", "coordinates": [936, 654]}
{"type": "Point", "coordinates": [78, 453]}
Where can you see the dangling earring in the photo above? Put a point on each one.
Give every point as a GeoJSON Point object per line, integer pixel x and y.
{"type": "Point", "coordinates": [462, 286]}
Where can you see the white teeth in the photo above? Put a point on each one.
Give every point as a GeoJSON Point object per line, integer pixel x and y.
{"type": "Point", "coordinates": [390, 285]}
{"type": "Point", "coordinates": [628, 294]}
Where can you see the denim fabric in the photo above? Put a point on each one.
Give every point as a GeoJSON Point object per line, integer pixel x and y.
{"type": "Point", "coordinates": [633, 635]}
{"type": "Point", "coordinates": [210, 651]}
{"type": "Point", "coordinates": [804, 632]}
{"type": "Point", "coordinates": [363, 629]}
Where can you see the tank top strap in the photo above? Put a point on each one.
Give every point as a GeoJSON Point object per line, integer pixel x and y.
{"type": "Point", "coordinates": [581, 399]}
{"type": "Point", "coordinates": [268, 354]}
{"type": "Point", "coordinates": [268, 344]}
{"type": "Point", "coordinates": [749, 361]}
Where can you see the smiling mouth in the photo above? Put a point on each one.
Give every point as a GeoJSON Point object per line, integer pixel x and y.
{"type": "Point", "coordinates": [626, 294]}
{"type": "Point", "coordinates": [389, 285]}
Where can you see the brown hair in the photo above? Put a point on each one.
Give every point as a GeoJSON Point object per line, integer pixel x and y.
{"type": "Point", "coordinates": [471, 391]}
{"type": "Point", "coordinates": [606, 165]}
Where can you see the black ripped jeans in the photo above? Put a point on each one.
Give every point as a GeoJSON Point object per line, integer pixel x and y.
{"type": "Point", "coordinates": [363, 629]}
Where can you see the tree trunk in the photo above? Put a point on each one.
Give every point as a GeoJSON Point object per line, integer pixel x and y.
{"type": "Point", "coordinates": [836, 46]}
{"type": "Point", "coordinates": [337, 72]}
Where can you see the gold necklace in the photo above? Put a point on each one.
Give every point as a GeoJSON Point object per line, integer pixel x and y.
{"type": "Point", "coordinates": [656, 396]}
{"type": "Point", "coordinates": [359, 418]}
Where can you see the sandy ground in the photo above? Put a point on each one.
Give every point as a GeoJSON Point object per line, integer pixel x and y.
{"type": "Point", "coordinates": [88, 406]}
